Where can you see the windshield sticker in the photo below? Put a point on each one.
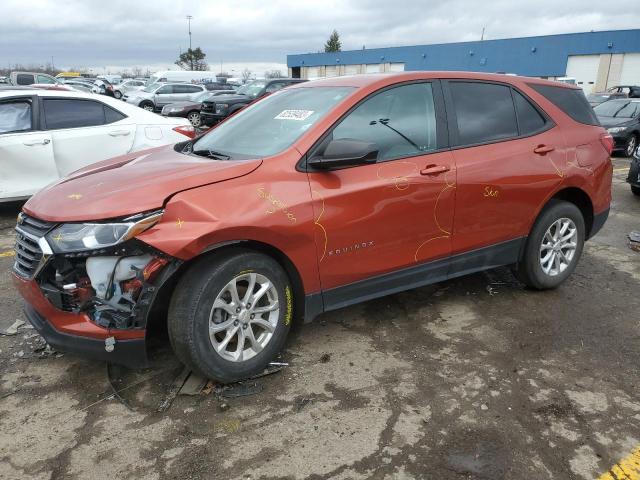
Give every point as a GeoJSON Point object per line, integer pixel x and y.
{"type": "Point", "coordinates": [298, 115]}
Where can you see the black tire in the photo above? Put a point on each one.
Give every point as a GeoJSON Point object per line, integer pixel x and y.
{"type": "Point", "coordinates": [631, 145]}
{"type": "Point", "coordinates": [529, 270]}
{"type": "Point", "coordinates": [635, 190]}
{"type": "Point", "coordinates": [191, 306]}
{"type": "Point", "coordinates": [148, 106]}
{"type": "Point", "coordinates": [117, 94]}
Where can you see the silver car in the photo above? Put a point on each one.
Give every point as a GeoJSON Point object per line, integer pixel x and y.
{"type": "Point", "coordinates": [156, 96]}
{"type": "Point", "coordinates": [127, 86]}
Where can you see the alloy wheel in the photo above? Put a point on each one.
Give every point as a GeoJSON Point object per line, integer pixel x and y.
{"type": "Point", "coordinates": [243, 317]}
{"type": "Point", "coordinates": [631, 146]}
{"type": "Point", "coordinates": [194, 118]}
{"type": "Point", "coordinates": [148, 108]}
{"type": "Point", "coordinates": [558, 247]}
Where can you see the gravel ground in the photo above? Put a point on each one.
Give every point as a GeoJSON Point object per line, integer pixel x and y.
{"type": "Point", "coordinates": [476, 378]}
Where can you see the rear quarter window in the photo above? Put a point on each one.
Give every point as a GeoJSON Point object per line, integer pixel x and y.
{"type": "Point", "coordinates": [570, 100]}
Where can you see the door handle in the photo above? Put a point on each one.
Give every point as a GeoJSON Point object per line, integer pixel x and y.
{"type": "Point", "coordinates": [41, 141]}
{"type": "Point", "coordinates": [434, 169]}
{"type": "Point", "coordinates": [543, 149]}
{"type": "Point", "coordinates": [119, 133]}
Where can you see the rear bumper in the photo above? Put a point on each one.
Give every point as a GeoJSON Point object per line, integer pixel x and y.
{"type": "Point", "coordinates": [130, 353]}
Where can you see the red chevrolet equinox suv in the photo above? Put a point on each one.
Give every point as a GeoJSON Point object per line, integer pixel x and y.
{"type": "Point", "coordinates": [322, 195]}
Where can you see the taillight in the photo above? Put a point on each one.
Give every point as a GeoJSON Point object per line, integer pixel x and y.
{"type": "Point", "coordinates": [186, 130]}
{"type": "Point", "coordinates": [607, 142]}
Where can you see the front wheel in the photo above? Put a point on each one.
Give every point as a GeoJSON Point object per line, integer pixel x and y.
{"type": "Point", "coordinates": [194, 118]}
{"type": "Point", "coordinates": [230, 315]}
{"type": "Point", "coordinates": [553, 247]}
{"type": "Point", "coordinates": [117, 94]}
{"type": "Point", "coordinates": [148, 106]}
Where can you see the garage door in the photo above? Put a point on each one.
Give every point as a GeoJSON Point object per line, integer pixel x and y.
{"type": "Point", "coordinates": [396, 67]}
{"type": "Point", "coordinates": [351, 69]}
{"type": "Point", "coordinates": [332, 71]}
{"type": "Point", "coordinates": [584, 68]}
{"type": "Point", "coordinates": [313, 72]}
{"type": "Point", "coordinates": [630, 69]}
{"type": "Point", "coordinates": [373, 68]}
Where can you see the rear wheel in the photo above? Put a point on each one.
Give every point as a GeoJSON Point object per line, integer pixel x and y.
{"type": "Point", "coordinates": [230, 315]}
{"type": "Point", "coordinates": [553, 247]}
{"type": "Point", "coordinates": [117, 94]}
{"type": "Point", "coordinates": [194, 118]}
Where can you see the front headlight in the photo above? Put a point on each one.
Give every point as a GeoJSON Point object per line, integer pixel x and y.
{"type": "Point", "coordinates": [175, 109]}
{"type": "Point", "coordinates": [616, 129]}
{"type": "Point", "coordinates": [221, 107]}
{"type": "Point", "coordinates": [78, 237]}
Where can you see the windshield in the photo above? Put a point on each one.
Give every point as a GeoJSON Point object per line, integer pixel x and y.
{"type": "Point", "coordinates": [151, 88]}
{"type": "Point", "coordinates": [272, 124]}
{"type": "Point", "coordinates": [623, 109]}
{"type": "Point", "coordinates": [252, 89]}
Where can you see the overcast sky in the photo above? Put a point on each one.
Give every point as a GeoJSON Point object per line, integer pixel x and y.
{"type": "Point", "coordinates": [259, 33]}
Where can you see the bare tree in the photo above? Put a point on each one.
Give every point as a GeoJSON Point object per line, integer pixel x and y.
{"type": "Point", "coordinates": [273, 74]}
{"type": "Point", "coordinates": [246, 75]}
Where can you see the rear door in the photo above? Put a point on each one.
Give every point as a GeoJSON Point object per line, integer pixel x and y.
{"type": "Point", "coordinates": [85, 131]}
{"type": "Point", "coordinates": [185, 92]}
{"type": "Point", "coordinates": [164, 96]}
{"type": "Point", "coordinates": [509, 154]}
{"type": "Point", "coordinates": [26, 154]}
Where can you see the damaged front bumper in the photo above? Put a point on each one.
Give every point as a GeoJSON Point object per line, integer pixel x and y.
{"type": "Point", "coordinates": [92, 303]}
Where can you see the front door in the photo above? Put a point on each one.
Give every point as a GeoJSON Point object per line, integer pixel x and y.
{"type": "Point", "coordinates": [395, 213]}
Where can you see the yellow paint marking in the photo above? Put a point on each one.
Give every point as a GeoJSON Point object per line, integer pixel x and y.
{"type": "Point", "coordinates": [74, 196]}
{"type": "Point", "coordinates": [626, 469]}
{"type": "Point", "coordinates": [316, 221]}
{"type": "Point", "coordinates": [10, 253]}
{"type": "Point", "coordinates": [58, 237]}
{"type": "Point", "coordinates": [180, 222]}
{"type": "Point", "coordinates": [620, 169]}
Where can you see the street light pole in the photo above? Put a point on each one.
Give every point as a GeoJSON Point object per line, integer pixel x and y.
{"type": "Point", "coordinates": [189, 17]}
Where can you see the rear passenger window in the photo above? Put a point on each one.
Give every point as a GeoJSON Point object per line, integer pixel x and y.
{"type": "Point", "coordinates": [65, 113]}
{"type": "Point", "coordinates": [484, 112]}
{"type": "Point", "coordinates": [401, 121]}
{"type": "Point", "coordinates": [112, 115]}
{"type": "Point", "coordinates": [529, 119]}
{"type": "Point", "coordinates": [570, 100]}
{"type": "Point", "coordinates": [25, 79]}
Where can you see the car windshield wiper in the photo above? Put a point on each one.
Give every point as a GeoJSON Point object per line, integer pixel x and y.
{"type": "Point", "coordinates": [207, 152]}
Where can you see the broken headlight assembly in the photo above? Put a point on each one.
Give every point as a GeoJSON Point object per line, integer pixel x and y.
{"type": "Point", "coordinates": [78, 237]}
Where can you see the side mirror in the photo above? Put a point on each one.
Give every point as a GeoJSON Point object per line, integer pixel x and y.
{"type": "Point", "coordinates": [345, 152]}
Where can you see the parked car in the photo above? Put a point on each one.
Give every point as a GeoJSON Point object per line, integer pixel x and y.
{"type": "Point", "coordinates": [218, 109]}
{"type": "Point", "coordinates": [112, 79]}
{"type": "Point", "coordinates": [127, 86]}
{"type": "Point", "coordinates": [621, 91]}
{"type": "Point", "coordinates": [319, 196]}
{"type": "Point", "coordinates": [633, 178]}
{"type": "Point", "coordinates": [190, 109]}
{"type": "Point", "coordinates": [31, 78]}
{"type": "Point", "coordinates": [80, 85]}
{"type": "Point", "coordinates": [103, 87]}
{"type": "Point", "coordinates": [157, 95]}
{"type": "Point", "coordinates": [217, 86]}
{"type": "Point", "coordinates": [46, 134]}
{"type": "Point", "coordinates": [621, 118]}
{"type": "Point", "coordinates": [182, 76]}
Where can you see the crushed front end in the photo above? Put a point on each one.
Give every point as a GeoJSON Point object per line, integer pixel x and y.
{"type": "Point", "coordinates": [89, 287]}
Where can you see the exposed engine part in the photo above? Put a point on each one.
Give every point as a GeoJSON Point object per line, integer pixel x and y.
{"type": "Point", "coordinates": [106, 273]}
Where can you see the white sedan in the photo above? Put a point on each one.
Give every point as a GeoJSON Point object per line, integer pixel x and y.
{"type": "Point", "coordinates": [46, 134]}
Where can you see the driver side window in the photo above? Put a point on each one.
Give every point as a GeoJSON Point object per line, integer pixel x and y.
{"type": "Point", "coordinates": [401, 121]}
{"type": "Point", "coordinates": [165, 90]}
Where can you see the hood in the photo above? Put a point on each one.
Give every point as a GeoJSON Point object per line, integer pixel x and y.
{"type": "Point", "coordinates": [608, 122]}
{"type": "Point", "coordinates": [130, 184]}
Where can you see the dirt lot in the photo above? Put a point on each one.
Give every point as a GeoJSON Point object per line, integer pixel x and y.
{"type": "Point", "coordinates": [475, 378]}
